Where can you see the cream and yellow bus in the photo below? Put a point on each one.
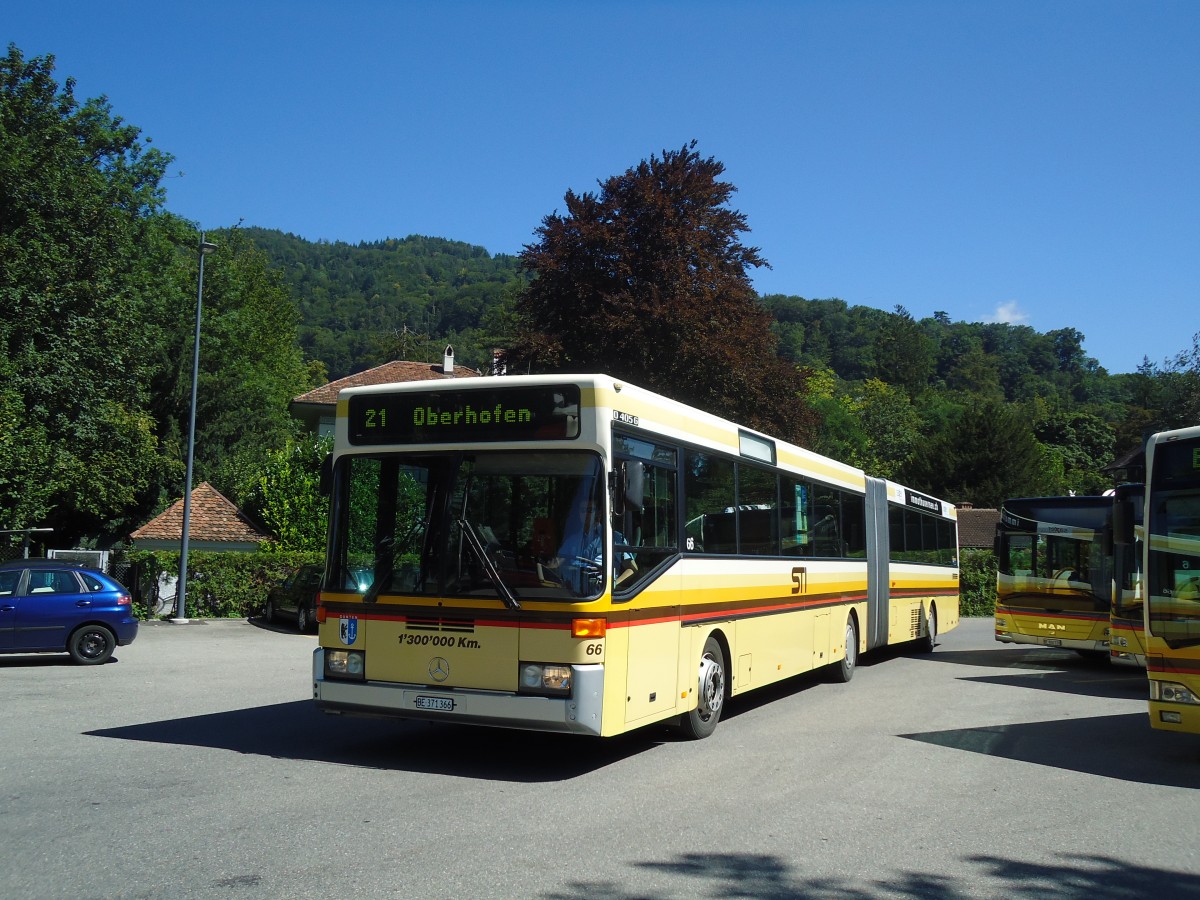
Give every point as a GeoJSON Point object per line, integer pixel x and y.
{"type": "Point", "coordinates": [1068, 574]}
{"type": "Point", "coordinates": [577, 554]}
{"type": "Point", "coordinates": [1172, 574]}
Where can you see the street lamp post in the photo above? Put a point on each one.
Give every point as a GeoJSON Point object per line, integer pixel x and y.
{"type": "Point", "coordinates": [181, 591]}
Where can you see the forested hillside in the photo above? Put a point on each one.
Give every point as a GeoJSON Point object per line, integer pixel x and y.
{"type": "Point", "coordinates": [364, 304]}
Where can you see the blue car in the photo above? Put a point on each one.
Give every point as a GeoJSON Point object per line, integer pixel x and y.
{"type": "Point", "coordinates": [54, 606]}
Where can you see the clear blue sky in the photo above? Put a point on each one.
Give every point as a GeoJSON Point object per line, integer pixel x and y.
{"type": "Point", "coordinates": [1030, 162]}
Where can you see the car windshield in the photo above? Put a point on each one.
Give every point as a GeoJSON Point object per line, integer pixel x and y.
{"type": "Point", "coordinates": [497, 524]}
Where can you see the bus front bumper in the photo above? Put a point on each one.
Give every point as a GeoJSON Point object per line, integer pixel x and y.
{"type": "Point", "coordinates": [578, 714]}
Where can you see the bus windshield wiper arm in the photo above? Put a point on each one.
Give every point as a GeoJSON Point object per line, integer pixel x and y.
{"type": "Point", "coordinates": [476, 546]}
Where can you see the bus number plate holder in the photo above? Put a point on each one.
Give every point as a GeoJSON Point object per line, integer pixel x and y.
{"type": "Point", "coordinates": [439, 704]}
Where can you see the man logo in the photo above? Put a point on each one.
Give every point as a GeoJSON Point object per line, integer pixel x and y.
{"type": "Point", "coordinates": [439, 669]}
{"type": "Point", "coordinates": [348, 631]}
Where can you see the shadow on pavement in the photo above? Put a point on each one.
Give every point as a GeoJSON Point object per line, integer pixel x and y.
{"type": "Point", "coordinates": [767, 877]}
{"type": "Point", "coordinates": [1123, 746]}
{"type": "Point", "coordinates": [299, 731]}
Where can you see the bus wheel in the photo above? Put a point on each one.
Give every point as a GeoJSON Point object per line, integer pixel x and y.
{"type": "Point", "coordinates": [702, 721]}
{"type": "Point", "coordinates": [928, 642]}
{"type": "Point", "coordinates": [843, 670]}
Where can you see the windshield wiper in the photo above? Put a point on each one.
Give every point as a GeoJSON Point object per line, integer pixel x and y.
{"type": "Point", "coordinates": [477, 548]}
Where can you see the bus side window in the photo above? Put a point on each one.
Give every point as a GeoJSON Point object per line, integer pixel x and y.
{"type": "Point", "coordinates": [649, 529]}
{"type": "Point", "coordinates": [709, 500]}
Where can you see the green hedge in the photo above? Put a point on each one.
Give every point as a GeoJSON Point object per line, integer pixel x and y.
{"type": "Point", "coordinates": [220, 585]}
{"type": "Point", "coordinates": [977, 583]}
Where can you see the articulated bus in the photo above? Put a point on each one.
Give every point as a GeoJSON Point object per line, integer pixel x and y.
{"type": "Point", "coordinates": [576, 554]}
{"type": "Point", "coordinates": [1068, 574]}
{"type": "Point", "coordinates": [1172, 566]}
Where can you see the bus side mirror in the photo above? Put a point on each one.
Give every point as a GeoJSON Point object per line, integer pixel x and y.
{"type": "Point", "coordinates": [325, 482]}
{"type": "Point", "coordinates": [630, 486]}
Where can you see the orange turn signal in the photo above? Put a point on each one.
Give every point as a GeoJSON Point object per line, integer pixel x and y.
{"type": "Point", "coordinates": [588, 628]}
{"type": "Point", "coordinates": [320, 611]}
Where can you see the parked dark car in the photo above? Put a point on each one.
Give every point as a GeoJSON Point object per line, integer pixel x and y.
{"type": "Point", "coordinates": [296, 598]}
{"type": "Point", "coordinates": [57, 606]}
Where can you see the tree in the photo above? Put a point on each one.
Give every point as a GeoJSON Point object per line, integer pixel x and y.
{"type": "Point", "coordinates": [891, 426]}
{"type": "Point", "coordinates": [647, 280]}
{"type": "Point", "coordinates": [1083, 443]}
{"type": "Point", "coordinates": [251, 365]}
{"type": "Point", "coordinates": [904, 353]}
{"type": "Point", "coordinates": [79, 262]}
{"type": "Point", "coordinates": [987, 454]}
{"type": "Point", "coordinates": [286, 497]}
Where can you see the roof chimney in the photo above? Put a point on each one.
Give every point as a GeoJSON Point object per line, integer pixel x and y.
{"type": "Point", "coordinates": [448, 360]}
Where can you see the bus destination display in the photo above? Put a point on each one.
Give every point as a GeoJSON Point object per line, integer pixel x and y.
{"type": "Point", "coordinates": [454, 416]}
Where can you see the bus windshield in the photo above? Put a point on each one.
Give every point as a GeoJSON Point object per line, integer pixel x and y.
{"type": "Point", "coordinates": [483, 524]}
{"type": "Point", "coordinates": [1051, 554]}
{"type": "Point", "coordinates": [1174, 575]}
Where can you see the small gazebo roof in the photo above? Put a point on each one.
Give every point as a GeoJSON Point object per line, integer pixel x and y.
{"type": "Point", "coordinates": [215, 523]}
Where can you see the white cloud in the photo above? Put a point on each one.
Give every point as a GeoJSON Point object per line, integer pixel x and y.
{"type": "Point", "coordinates": [1009, 314]}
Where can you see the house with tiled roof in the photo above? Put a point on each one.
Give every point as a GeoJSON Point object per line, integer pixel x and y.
{"type": "Point", "coordinates": [977, 527]}
{"type": "Point", "coordinates": [215, 523]}
{"type": "Point", "coordinates": [316, 408]}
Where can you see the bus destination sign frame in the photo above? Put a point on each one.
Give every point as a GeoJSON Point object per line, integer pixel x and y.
{"type": "Point", "coordinates": [455, 416]}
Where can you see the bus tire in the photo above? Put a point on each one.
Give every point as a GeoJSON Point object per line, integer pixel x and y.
{"type": "Point", "coordinates": [843, 669]}
{"type": "Point", "coordinates": [711, 691]}
{"type": "Point", "coordinates": [928, 642]}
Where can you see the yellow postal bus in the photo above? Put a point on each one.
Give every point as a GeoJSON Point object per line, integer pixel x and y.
{"type": "Point", "coordinates": [1172, 567]}
{"type": "Point", "coordinates": [576, 554]}
{"type": "Point", "coordinates": [1069, 574]}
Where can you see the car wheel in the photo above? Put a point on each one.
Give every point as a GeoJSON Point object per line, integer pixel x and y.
{"type": "Point", "coordinates": [91, 645]}
{"type": "Point", "coordinates": [269, 611]}
{"type": "Point", "coordinates": [302, 620]}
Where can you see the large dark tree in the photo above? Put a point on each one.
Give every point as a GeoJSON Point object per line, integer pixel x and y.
{"type": "Point", "coordinates": [648, 280]}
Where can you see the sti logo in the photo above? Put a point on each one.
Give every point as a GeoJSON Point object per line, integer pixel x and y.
{"type": "Point", "coordinates": [348, 631]}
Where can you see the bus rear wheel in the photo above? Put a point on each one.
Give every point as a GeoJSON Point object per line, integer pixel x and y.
{"type": "Point", "coordinates": [843, 670]}
{"type": "Point", "coordinates": [702, 721]}
{"type": "Point", "coordinates": [928, 642]}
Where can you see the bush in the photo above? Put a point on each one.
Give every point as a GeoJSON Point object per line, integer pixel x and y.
{"type": "Point", "coordinates": [977, 582]}
{"type": "Point", "coordinates": [221, 585]}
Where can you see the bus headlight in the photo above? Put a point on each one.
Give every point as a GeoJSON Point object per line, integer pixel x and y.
{"type": "Point", "coordinates": [545, 678]}
{"type": "Point", "coordinates": [345, 664]}
{"type": "Point", "coordinates": [1171, 692]}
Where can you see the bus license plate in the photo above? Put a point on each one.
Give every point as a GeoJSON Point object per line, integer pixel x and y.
{"type": "Point", "coordinates": [1051, 642]}
{"type": "Point", "coordinates": [441, 704]}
